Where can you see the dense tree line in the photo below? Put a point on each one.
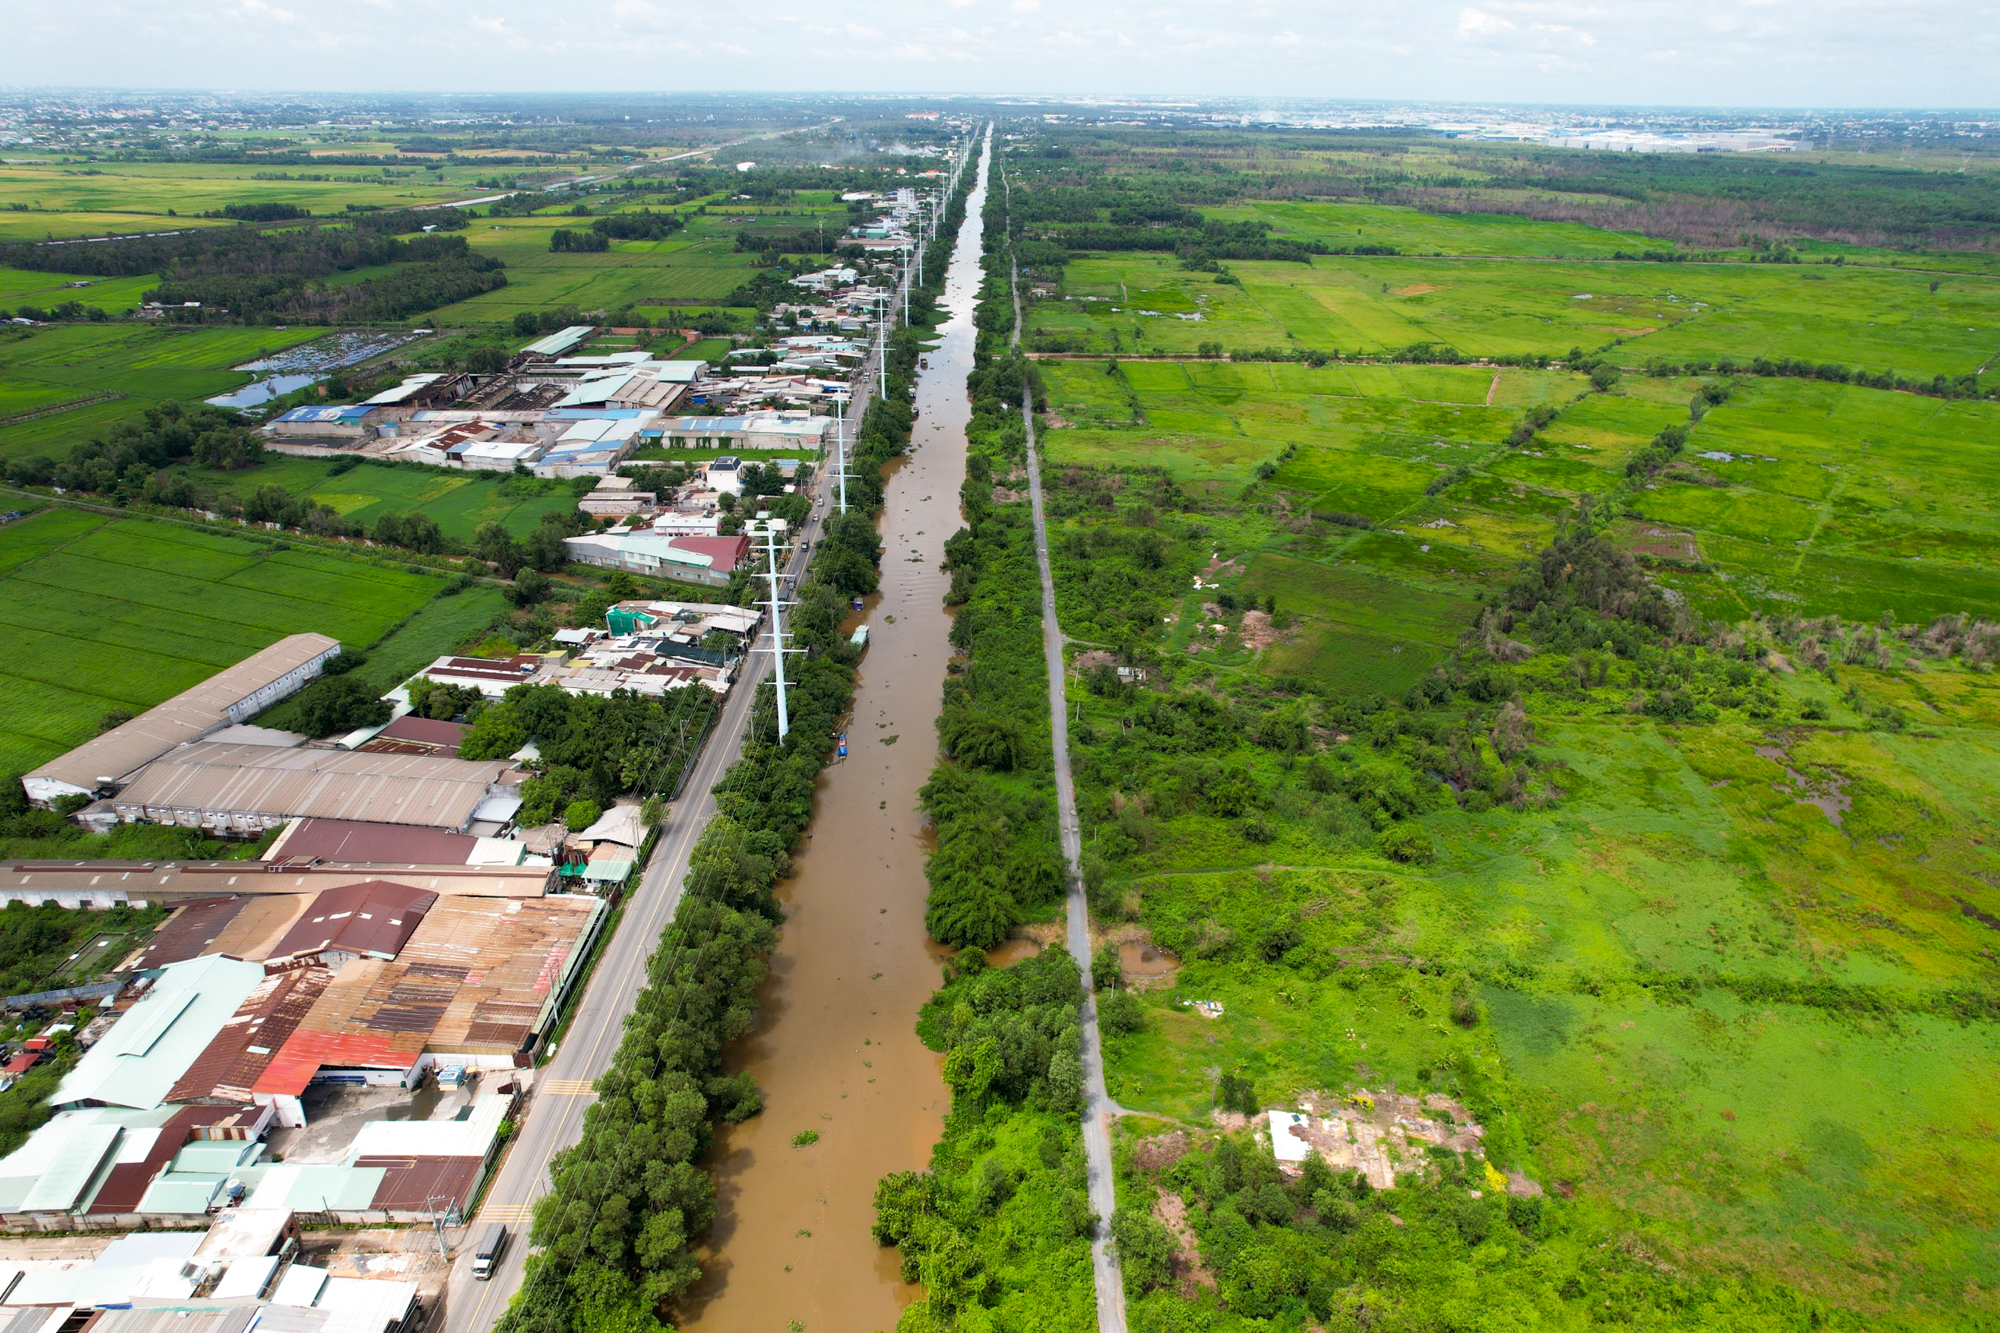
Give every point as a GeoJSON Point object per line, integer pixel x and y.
{"type": "Point", "coordinates": [998, 1225]}
{"type": "Point", "coordinates": [1711, 201]}
{"type": "Point", "coordinates": [592, 747]}
{"type": "Point", "coordinates": [262, 275]}
{"type": "Point", "coordinates": [633, 1197]}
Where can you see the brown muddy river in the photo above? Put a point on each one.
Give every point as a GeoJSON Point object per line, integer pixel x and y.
{"type": "Point", "coordinates": [835, 1050]}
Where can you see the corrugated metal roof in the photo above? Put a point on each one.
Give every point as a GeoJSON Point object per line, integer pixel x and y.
{"type": "Point", "coordinates": [153, 1044]}
{"type": "Point", "coordinates": [555, 344]}
{"type": "Point", "coordinates": [313, 1189]}
{"type": "Point", "coordinates": [426, 731]}
{"type": "Point", "coordinates": [182, 1192]}
{"type": "Point", "coordinates": [73, 1161]}
{"type": "Point", "coordinates": [347, 840]}
{"type": "Point", "coordinates": [185, 717]}
{"type": "Point", "coordinates": [228, 1069]}
{"type": "Point", "coordinates": [170, 882]}
{"type": "Point", "coordinates": [251, 780]}
{"type": "Point", "coordinates": [189, 933]}
{"type": "Point", "coordinates": [330, 412]}
{"type": "Point", "coordinates": [373, 918]}
{"type": "Point", "coordinates": [422, 1183]}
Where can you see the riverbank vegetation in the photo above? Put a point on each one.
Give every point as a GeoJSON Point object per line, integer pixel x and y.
{"type": "Point", "coordinates": [1604, 751]}
{"type": "Point", "coordinates": [998, 1227]}
{"type": "Point", "coordinates": [631, 1200]}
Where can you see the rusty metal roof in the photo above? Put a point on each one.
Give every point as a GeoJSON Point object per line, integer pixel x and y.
{"type": "Point", "coordinates": [421, 1183]}
{"type": "Point", "coordinates": [189, 933]}
{"type": "Point", "coordinates": [374, 918]}
{"type": "Point", "coordinates": [425, 731]}
{"type": "Point", "coordinates": [229, 1067]}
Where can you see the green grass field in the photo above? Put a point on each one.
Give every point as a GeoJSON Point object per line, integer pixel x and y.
{"type": "Point", "coordinates": [114, 371]}
{"type": "Point", "coordinates": [152, 188]}
{"type": "Point", "coordinates": [1642, 940]}
{"type": "Point", "coordinates": [460, 502]}
{"type": "Point", "coordinates": [103, 614]}
{"type": "Point", "coordinates": [700, 264]}
{"type": "Point", "coordinates": [1484, 305]}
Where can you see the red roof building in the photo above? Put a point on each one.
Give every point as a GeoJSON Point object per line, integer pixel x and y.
{"type": "Point", "coordinates": [372, 919]}
{"type": "Point", "coordinates": [726, 552]}
{"type": "Point", "coordinates": [410, 734]}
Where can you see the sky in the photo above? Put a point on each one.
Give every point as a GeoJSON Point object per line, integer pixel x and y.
{"type": "Point", "coordinates": [1816, 54]}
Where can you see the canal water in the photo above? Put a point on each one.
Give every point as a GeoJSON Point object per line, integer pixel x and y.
{"type": "Point", "coordinates": [835, 1050]}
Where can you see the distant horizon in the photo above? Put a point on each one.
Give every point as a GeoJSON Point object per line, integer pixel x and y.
{"type": "Point", "coordinates": [1101, 100]}
{"type": "Point", "coordinates": [1767, 55]}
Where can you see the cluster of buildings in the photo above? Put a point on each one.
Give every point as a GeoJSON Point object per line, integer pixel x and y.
{"type": "Point", "coordinates": [650, 648]}
{"type": "Point", "coordinates": [559, 411]}
{"type": "Point", "coordinates": [195, 761]}
{"type": "Point", "coordinates": [302, 1047]}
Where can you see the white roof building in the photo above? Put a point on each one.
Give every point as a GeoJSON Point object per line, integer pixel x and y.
{"type": "Point", "coordinates": [154, 1042]}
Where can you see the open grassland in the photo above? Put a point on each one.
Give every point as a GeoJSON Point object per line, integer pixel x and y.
{"type": "Point", "coordinates": [70, 224]}
{"type": "Point", "coordinates": [153, 188]}
{"type": "Point", "coordinates": [114, 371]}
{"type": "Point", "coordinates": [1791, 497]}
{"type": "Point", "coordinates": [1871, 319]}
{"type": "Point", "coordinates": [1414, 232]}
{"type": "Point", "coordinates": [460, 502]}
{"type": "Point", "coordinates": [1724, 979]}
{"type": "Point", "coordinates": [114, 296]}
{"type": "Point", "coordinates": [117, 614]}
{"type": "Point", "coordinates": [700, 264]}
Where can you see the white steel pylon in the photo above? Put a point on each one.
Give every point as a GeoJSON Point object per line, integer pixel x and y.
{"type": "Point", "coordinates": [777, 603]}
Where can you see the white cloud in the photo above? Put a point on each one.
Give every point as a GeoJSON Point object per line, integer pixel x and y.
{"type": "Point", "coordinates": [257, 9]}
{"type": "Point", "coordinates": [1479, 23]}
{"type": "Point", "coordinates": [1286, 39]}
{"type": "Point", "coordinates": [1026, 6]}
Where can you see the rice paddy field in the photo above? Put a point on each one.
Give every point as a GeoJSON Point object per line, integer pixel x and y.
{"type": "Point", "coordinates": [460, 502]}
{"type": "Point", "coordinates": [1723, 977]}
{"type": "Point", "coordinates": [1488, 305]}
{"type": "Point", "coordinates": [79, 379]}
{"type": "Point", "coordinates": [105, 614]}
{"type": "Point", "coordinates": [697, 266]}
{"type": "Point", "coordinates": [120, 197]}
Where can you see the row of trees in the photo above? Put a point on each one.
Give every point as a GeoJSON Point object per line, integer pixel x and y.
{"type": "Point", "coordinates": [997, 1228]}
{"type": "Point", "coordinates": [632, 1198]}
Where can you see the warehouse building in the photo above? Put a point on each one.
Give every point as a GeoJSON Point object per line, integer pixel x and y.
{"type": "Point", "coordinates": [139, 883]}
{"type": "Point", "coordinates": [232, 695]}
{"type": "Point", "coordinates": [764, 430]}
{"type": "Point", "coordinates": [373, 919]}
{"type": "Point", "coordinates": [704, 560]}
{"type": "Point", "coordinates": [154, 1043]}
{"type": "Point", "coordinates": [242, 790]}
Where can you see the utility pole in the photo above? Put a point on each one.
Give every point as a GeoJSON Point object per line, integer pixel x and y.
{"type": "Point", "coordinates": [840, 446]}
{"type": "Point", "coordinates": [777, 648]}
{"type": "Point", "coordinates": [882, 349]}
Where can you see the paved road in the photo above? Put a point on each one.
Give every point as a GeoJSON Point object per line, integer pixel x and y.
{"type": "Point", "coordinates": [1098, 1108]}
{"type": "Point", "coordinates": [554, 1117]}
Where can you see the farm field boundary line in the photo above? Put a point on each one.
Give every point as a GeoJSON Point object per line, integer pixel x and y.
{"type": "Point", "coordinates": [407, 560]}
{"type": "Point", "coordinates": [89, 400]}
{"type": "Point", "coordinates": [1098, 1108]}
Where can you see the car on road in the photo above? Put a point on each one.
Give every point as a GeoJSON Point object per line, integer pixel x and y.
{"type": "Point", "coordinates": [492, 1244]}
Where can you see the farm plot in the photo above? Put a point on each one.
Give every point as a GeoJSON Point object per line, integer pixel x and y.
{"type": "Point", "coordinates": [1815, 498]}
{"type": "Point", "coordinates": [697, 265]}
{"type": "Point", "coordinates": [118, 614]}
{"type": "Point", "coordinates": [1869, 318]}
{"type": "Point", "coordinates": [113, 371]}
{"type": "Point", "coordinates": [460, 502]}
